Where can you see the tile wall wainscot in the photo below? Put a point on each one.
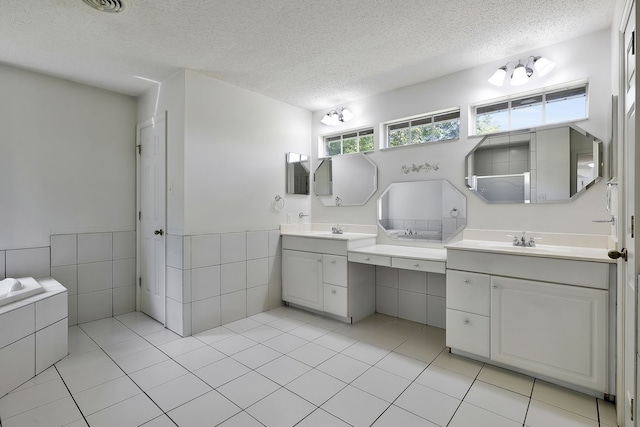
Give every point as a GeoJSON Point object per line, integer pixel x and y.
{"type": "Point", "coordinates": [413, 295]}
{"type": "Point", "coordinates": [99, 272]}
{"type": "Point", "coordinates": [214, 279]}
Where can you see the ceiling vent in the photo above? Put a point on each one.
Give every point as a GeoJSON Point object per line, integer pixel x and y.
{"type": "Point", "coordinates": [111, 6]}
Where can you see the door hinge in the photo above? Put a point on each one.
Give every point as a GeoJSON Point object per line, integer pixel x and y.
{"type": "Point", "coordinates": [139, 215]}
{"type": "Point", "coordinates": [633, 409]}
{"type": "Point", "coordinates": [633, 225]}
{"type": "Point", "coordinates": [633, 42]}
{"type": "Point", "coordinates": [139, 281]}
{"type": "Point", "coordinates": [139, 149]}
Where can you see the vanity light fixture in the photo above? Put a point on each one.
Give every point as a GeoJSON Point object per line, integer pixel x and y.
{"type": "Point", "coordinates": [521, 73]}
{"type": "Point", "coordinates": [337, 116]}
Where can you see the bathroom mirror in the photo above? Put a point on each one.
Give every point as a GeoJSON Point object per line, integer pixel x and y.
{"type": "Point", "coordinates": [345, 180]}
{"type": "Point", "coordinates": [543, 165]}
{"type": "Point", "coordinates": [298, 173]}
{"type": "Point", "coordinates": [427, 211]}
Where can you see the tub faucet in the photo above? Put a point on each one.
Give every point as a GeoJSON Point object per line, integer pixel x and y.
{"type": "Point", "coordinates": [522, 241]}
{"type": "Point", "coordinates": [336, 229]}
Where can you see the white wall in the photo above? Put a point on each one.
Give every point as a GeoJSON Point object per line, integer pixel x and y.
{"type": "Point", "coordinates": [588, 57]}
{"type": "Point", "coordinates": [67, 161]}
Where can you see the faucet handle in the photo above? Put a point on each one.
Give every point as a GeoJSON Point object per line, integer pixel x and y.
{"type": "Point", "coordinates": [516, 239]}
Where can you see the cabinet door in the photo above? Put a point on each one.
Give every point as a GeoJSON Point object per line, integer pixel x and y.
{"type": "Point", "coordinates": [334, 269]}
{"type": "Point", "coordinates": [335, 300]}
{"type": "Point", "coordinates": [302, 278]}
{"type": "Point", "coordinates": [551, 329]}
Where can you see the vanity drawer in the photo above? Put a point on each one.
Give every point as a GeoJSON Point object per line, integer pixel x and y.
{"type": "Point", "coordinates": [418, 264]}
{"type": "Point", "coordinates": [468, 332]}
{"type": "Point", "coordinates": [469, 292]}
{"type": "Point", "coordinates": [335, 300]}
{"type": "Point", "coordinates": [311, 244]}
{"type": "Point", "coordinates": [334, 269]}
{"type": "Point", "coordinates": [382, 260]}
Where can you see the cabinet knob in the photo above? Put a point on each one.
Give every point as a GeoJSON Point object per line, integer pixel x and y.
{"type": "Point", "coordinates": [416, 265]}
{"type": "Point", "coordinates": [367, 259]}
{"type": "Point", "coordinates": [466, 280]}
{"type": "Point", "coordinates": [333, 291]}
{"type": "Point", "coordinates": [466, 322]}
{"type": "Point", "coordinates": [495, 286]}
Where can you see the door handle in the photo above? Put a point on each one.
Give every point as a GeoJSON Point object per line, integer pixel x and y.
{"type": "Point", "coordinates": [618, 254]}
{"type": "Point", "coordinates": [159, 232]}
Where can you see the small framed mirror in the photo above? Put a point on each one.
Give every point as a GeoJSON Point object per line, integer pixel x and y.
{"type": "Point", "coordinates": [427, 211]}
{"type": "Point", "coordinates": [345, 180]}
{"type": "Point", "coordinates": [298, 173]}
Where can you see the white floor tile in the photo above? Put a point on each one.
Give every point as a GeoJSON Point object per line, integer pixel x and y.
{"type": "Point", "coordinates": [286, 324]}
{"type": "Point", "coordinates": [343, 367]}
{"type": "Point", "coordinates": [242, 325]}
{"type": "Point", "coordinates": [256, 356]}
{"type": "Point", "coordinates": [199, 358]}
{"type": "Point", "coordinates": [459, 364]}
{"type": "Point", "coordinates": [161, 421]}
{"type": "Point", "coordinates": [156, 375]}
{"type": "Point", "coordinates": [267, 317]}
{"type": "Point", "coordinates": [248, 389]}
{"type": "Point", "coordinates": [102, 327]}
{"type": "Point", "coordinates": [79, 341]}
{"type": "Point", "coordinates": [176, 392]}
{"type": "Point", "coordinates": [241, 419]}
{"type": "Point", "coordinates": [316, 387]}
{"type": "Point", "coordinates": [47, 375]}
{"type": "Point", "coordinates": [140, 360]}
{"type": "Point", "coordinates": [311, 354]}
{"type": "Point", "coordinates": [162, 337]}
{"type": "Point", "coordinates": [99, 397]}
{"type": "Point", "coordinates": [30, 398]}
{"type": "Point", "coordinates": [233, 344]}
{"type": "Point", "coordinates": [401, 365]}
{"type": "Point", "coordinates": [470, 415]}
{"type": "Point", "coordinates": [498, 400]}
{"type": "Point", "coordinates": [58, 413]}
{"type": "Point", "coordinates": [395, 417]}
{"type": "Point", "coordinates": [214, 335]}
{"type": "Point", "coordinates": [607, 413]}
{"type": "Point", "coordinates": [221, 372]}
{"type": "Point", "coordinates": [366, 353]}
{"type": "Point", "coordinates": [131, 412]}
{"type": "Point", "coordinates": [115, 337]}
{"type": "Point", "coordinates": [543, 415]}
{"type": "Point", "coordinates": [355, 406]}
{"type": "Point", "coordinates": [335, 341]}
{"type": "Point", "coordinates": [211, 408]}
{"type": "Point", "coordinates": [309, 332]}
{"type": "Point", "coordinates": [321, 418]}
{"type": "Point", "coordinates": [283, 370]}
{"type": "Point", "coordinates": [93, 376]}
{"type": "Point", "coordinates": [126, 348]}
{"type": "Point", "coordinates": [82, 361]}
{"type": "Point", "coordinates": [285, 343]}
{"type": "Point", "coordinates": [428, 403]}
{"type": "Point", "coordinates": [504, 378]}
{"type": "Point", "coordinates": [566, 399]}
{"type": "Point", "coordinates": [282, 408]}
{"type": "Point", "coordinates": [181, 346]}
{"type": "Point", "coordinates": [382, 384]}
{"type": "Point", "coordinates": [445, 381]}
{"type": "Point", "coordinates": [262, 333]}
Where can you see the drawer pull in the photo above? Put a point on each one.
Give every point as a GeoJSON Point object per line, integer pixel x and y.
{"type": "Point", "coordinates": [466, 322]}
{"type": "Point", "coordinates": [495, 286]}
{"type": "Point", "coordinates": [367, 259]}
{"type": "Point", "coordinates": [333, 291]}
{"type": "Point", "coordinates": [466, 280]}
{"type": "Point", "coordinates": [333, 261]}
{"type": "Point", "coordinates": [416, 265]}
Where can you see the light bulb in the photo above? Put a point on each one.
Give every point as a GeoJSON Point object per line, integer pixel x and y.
{"type": "Point", "coordinates": [519, 76]}
{"type": "Point", "coordinates": [346, 115]}
{"type": "Point", "coordinates": [498, 77]}
{"type": "Point", "coordinates": [543, 65]}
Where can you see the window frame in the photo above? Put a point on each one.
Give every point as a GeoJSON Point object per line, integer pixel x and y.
{"type": "Point", "coordinates": [542, 94]}
{"type": "Point", "coordinates": [419, 120]}
{"type": "Point", "coordinates": [324, 154]}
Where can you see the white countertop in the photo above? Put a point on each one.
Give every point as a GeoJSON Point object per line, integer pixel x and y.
{"type": "Point", "coordinates": [328, 235]}
{"type": "Point", "coordinates": [431, 254]}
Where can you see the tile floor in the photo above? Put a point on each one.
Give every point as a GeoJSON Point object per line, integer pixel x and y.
{"type": "Point", "coordinates": [281, 368]}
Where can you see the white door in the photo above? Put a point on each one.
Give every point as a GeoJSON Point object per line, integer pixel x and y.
{"type": "Point", "coordinates": [152, 215]}
{"type": "Point", "coordinates": [628, 269]}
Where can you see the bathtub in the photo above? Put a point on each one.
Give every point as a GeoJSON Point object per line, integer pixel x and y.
{"type": "Point", "coordinates": [16, 289]}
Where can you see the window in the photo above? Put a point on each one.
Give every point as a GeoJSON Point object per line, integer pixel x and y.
{"type": "Point", "coordinates": [352, 142]}
{"type": "Point", "coordinates": [545, 108]}
{"type": "Point", "coordinates": [424, 129]}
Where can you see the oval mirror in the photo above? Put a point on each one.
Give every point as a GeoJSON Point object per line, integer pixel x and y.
{"type": "Point", "coordinates": [345, 180]}
{"type": "Point", "coordinates": [428, 211]}
{"type": "Point", "coordinates": [543, 165]}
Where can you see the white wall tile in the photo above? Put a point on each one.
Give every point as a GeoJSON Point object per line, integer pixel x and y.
{"type": "Point", "coordinates": [64, 249]}
{"type": "Point", "coordinates": [51, 310]}
{"type": "Point", "coordinates": [205, 282]}
{"type": "Point", "coordinates": [437, 284]}
{"type": "Point", "coordinates": [124, 300]}
{"type": "Point", "coordinates": [33, 262]}
{"type": "Point", "coordinates": [414, 281]}
{"type": "Point", "coordinates": [72, 306]}
{"type": "Point", "coordinates": [174, 286]}
{"type": "Point", "coordinates": [233, 247]}
{"type": "Point", "coordinates": [275, 243]}
{"type": "Point", "coordinates": [233, 307]}
{"type": "Point", "coordinates": [174, 251]}
{"type": "Point", "coordinates": [257, 244]}
{"type": "Point", "coordinates": [124, 272]}
{"type": "Point", "coordinates": [275, 269]}
{"type": "Point", "coordinates": [95, 247]}
{"type": "Point", "coordinates": [186, 252]}
{"type": "Point", "coordinates": [205, 314]}
{"type": "Point", "coordinates": [233, 277]}
{"type": "Point", "coordinates": [257, 272]}
{"type": "Point", "coordinates": [51, 344]}
{"type": "Point", "coordinates": [412, 306]}
{"type": "Point", "coordinates": [67, 275]}
{"type": "Point", "coordinates": [275, 295]}
{"type": "Point", "coordinates": [436, 311]}
{"type": "Point", "coordinates": [387, 277]}
{"type": "Point", "coordinates": [205, 250]}
{"type": "Point", "coordinates": [2, 265]}
{"type": "Point", "coordinates": [95, 305]}
{"type": "Point", "coordinates": [18, 363]}
{"type": "Point", "coordinates": [387, 300]}
{"type": "Point", "coordinates": [17, 324]}
{"type": "Point", "coordinates": [95, 276]}
{"type": "Point", "coordinates": [179, 317]}
{"type": "Point", "coordinates": [124, 244]}
{"type": "Point", "coordinates": [257, 300]}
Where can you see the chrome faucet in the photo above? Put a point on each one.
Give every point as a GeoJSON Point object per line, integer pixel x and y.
{"type": "Point", "coordinates": [522, 241]}
{"type": "Point", "coordinates": [336, 229]}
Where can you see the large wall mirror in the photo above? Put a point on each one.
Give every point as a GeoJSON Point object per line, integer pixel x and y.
{"type": "Point", "coordinates": [544, 165]}
{"type": "Point", "coordinates": [345, 180]}
{"type": "Point", "coordinates": [427, 211]}
{"type": "Point", "coordinates": [298, 171]}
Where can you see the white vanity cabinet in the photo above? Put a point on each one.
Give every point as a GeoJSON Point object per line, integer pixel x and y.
{"type": "Point", "coordinates": [317, 275]}
{"type": "Point", "coordinates": [547, 316]}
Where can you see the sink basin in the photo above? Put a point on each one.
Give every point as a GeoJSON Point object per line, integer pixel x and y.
{"type": "Point", "coordinates": [509, 247]}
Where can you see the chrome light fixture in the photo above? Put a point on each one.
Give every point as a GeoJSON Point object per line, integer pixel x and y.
{"type": "Point", "coordinates": [337, 116]}
{"type": "Point", "coordinates": [521, 73]}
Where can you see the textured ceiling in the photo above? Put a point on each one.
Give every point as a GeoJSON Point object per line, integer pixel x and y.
{"type": "Point", "coordinates": [310, 53]}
